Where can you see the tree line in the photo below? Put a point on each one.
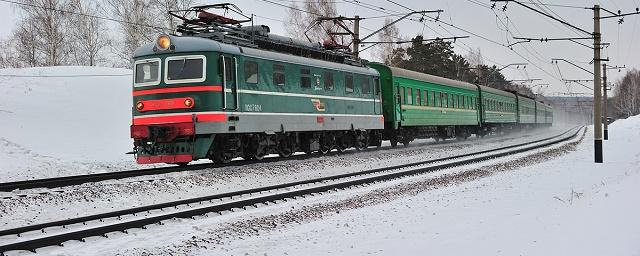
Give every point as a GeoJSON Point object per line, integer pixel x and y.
{"type": "Point", "coordinates": [85, 32]}
{"type": "Point", "coordinates": [626, 100]}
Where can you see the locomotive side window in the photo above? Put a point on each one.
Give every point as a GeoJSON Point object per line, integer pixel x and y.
{"type": "Point", "coordinates": [278, 75]}
{"type": "Point", "coordinates": [366, 86]}
{"type": "Point", "coordinates": [376, 83]}
{"type": "Point", "coordinates": [348, 83]}
{"type": "Point", "coordinates": [305, 78]}
{"type": "Point", "coordinates": [328, 81]}
{"type": "Point", "coordinates": [185, 69]}
{"type": "Point", "coordinates": [251, 72]}
{"type": "Point", "coordinates": [147, 72]}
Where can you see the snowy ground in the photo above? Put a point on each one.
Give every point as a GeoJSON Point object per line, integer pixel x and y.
{"type": "Point", "coordinates": [59, 121]}
{"type": "Point", "coordinates": [552, 202]}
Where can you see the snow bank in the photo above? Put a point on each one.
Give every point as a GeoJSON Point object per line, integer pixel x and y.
{"type": "Point", "coordinates": [58, 118]}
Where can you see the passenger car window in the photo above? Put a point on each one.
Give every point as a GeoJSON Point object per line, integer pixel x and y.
{"type": "Point", "coordinates": [418, 94]}
{"type": "Point", "coordinates": [409, 96]}
{"type": "Point", "coordinates": [251, 72]}
{"type": "Point", "coordinates": [147, 72]}
{"type": "Point", "coordinates": [305, 78]}
{"type": "Point", "coordinates": [348, 83]}
{"type": "Point", "coordinates": [328, 80]}
{"type": "Point", "coordinates": [278, 75]}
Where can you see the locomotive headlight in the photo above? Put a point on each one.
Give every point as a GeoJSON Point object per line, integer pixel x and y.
{"type": "Point", "coordinates": [188, 103]}
{"type": "Point", "coordinates": [139, 106]}
{"type": "Point", "coordinates": [163, 43]}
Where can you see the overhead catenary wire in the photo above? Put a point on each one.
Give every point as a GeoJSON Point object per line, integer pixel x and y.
{"type": "Point", "coordinates": [82, 14]}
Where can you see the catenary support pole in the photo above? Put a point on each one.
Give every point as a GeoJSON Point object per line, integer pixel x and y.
{"type": "Point", "coordinates": [605, 101]}
{"type": "Point", "coordinates": [356, 36]}
{"type": "Point", "coordinates": [597, 90]}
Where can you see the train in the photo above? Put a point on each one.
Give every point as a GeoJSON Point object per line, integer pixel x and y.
{"type": "Point", "coordinates": [244, 92]}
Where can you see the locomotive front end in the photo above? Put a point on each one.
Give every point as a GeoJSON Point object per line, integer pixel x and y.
{"type": "Point", "coordinates": [176, 85]}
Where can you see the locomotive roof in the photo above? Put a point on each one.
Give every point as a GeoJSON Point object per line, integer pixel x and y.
{"type": "Point", "coordinates": [252, 52]}
{"type": "Point", "coordinates": [430, 78]}
{"type": "Point", "coordinates": [188, 44]}
{"type": "Point", "coordinates": [197, 44]}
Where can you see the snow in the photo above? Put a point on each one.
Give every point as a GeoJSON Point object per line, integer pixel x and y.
{"type": "Point", "coordinates": [564, 205]}
{"type": "Point", "coordinates": [59, 121]}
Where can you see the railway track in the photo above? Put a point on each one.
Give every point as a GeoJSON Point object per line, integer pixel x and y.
{"type": "Point", "coordinates": [56, 233]}
{"type": "Point", "coordinates": [89, 178]}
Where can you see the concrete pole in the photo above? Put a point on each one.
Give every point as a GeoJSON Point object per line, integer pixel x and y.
{"type": "Point", "coordinates": [597, 89]}
{"type": "Point", "coordinates": [356, 36]}
{"type": "Point", "coordinates": [604, 107]}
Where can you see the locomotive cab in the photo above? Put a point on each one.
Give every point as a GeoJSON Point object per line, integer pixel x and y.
{"type": "Point", "coordinates": [179, 83]}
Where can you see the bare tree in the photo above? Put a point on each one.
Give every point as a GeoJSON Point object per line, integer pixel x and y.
{"type": "Point", "coordinates": [88, 35]}
{"type": "Point", "coordinates": [47, 28]}
{"type": "Point", "coordinates": [9, 55]}
{"type": "Point", "coordinates": [627, 94]}
{"type": "Point", "coordinates": [162, 8]}
{"type": "Point", "coordinates": [474, 58]}
{"type": "Point", "coordinates": [386, 51]}
{"type": "Point", "coordinates": [298, 22]}
{"type": "Point", "coordinates": [139, 27]}
{"type": "Point", "coordinates": [26, 44]}
{"type": "Point", "coordinates": [295, 24]}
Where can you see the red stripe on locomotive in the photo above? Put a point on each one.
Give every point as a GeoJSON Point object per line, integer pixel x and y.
{"type": "Point", "coordinates": [212, 88]}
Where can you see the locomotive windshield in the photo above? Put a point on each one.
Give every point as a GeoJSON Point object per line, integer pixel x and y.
{"type": "Point", "coordinates": [185, 69]}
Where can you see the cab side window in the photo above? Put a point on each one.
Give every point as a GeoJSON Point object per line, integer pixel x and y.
{"type": "Point", "coordinates": [251, 72]}
{"type": "Point", "coordinates": [328, 80]}
{"type": "Point", "coordinates": [305, 78]}
{"type": "Point", "coordinates": [348, 83]}
{"type": "Point", "coordinates": [278, 75]}
{"type": "Point", "coordinates": [365, 85]}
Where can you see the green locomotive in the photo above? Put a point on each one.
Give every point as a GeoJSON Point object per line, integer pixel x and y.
{"type": "Point", "coordinates": [221, 91]}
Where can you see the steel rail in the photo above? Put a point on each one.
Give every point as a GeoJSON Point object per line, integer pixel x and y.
{"type": "Point", "coordinates": [97, 177]}
{"type": "Point", "coordinates": [58, 239]}
{"type": "Point", "coordinates": [254, 190]}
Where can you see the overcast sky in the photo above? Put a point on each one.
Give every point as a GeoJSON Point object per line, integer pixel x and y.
{"type": "Point", "coordinates": [475, 17]}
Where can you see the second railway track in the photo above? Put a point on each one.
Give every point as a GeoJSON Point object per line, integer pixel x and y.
{"type": "Point", "coordinates": [55, 233]}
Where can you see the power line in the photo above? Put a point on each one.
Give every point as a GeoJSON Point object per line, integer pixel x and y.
{"type": "Point", "coordinates": [81, 14]}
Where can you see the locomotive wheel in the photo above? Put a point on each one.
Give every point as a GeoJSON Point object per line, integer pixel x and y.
{"type": "Point", "coordinates": [221, 158]}
{"type": "Point", "coordinates": [361, 141]}
{"type": "Point", "coordinates": [256, 148]}
{"type": "Point", "coordinates": [405, 142]}
{"type": "Point", "coordinates": [394, 142]}
{"type": "Point", "coordinates": [341, 143]}
{"type": "Point", "coordinates": [327, 142]}
{"type": "Point", "coordinates": [285, 146]}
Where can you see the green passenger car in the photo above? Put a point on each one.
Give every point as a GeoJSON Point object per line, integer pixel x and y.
{"type": "Point", "coordinates": [526, 110]}
{"type": "Point", "coordinates": [418, 105]}
{"type": "Point", "coordinates": [499, 108]}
